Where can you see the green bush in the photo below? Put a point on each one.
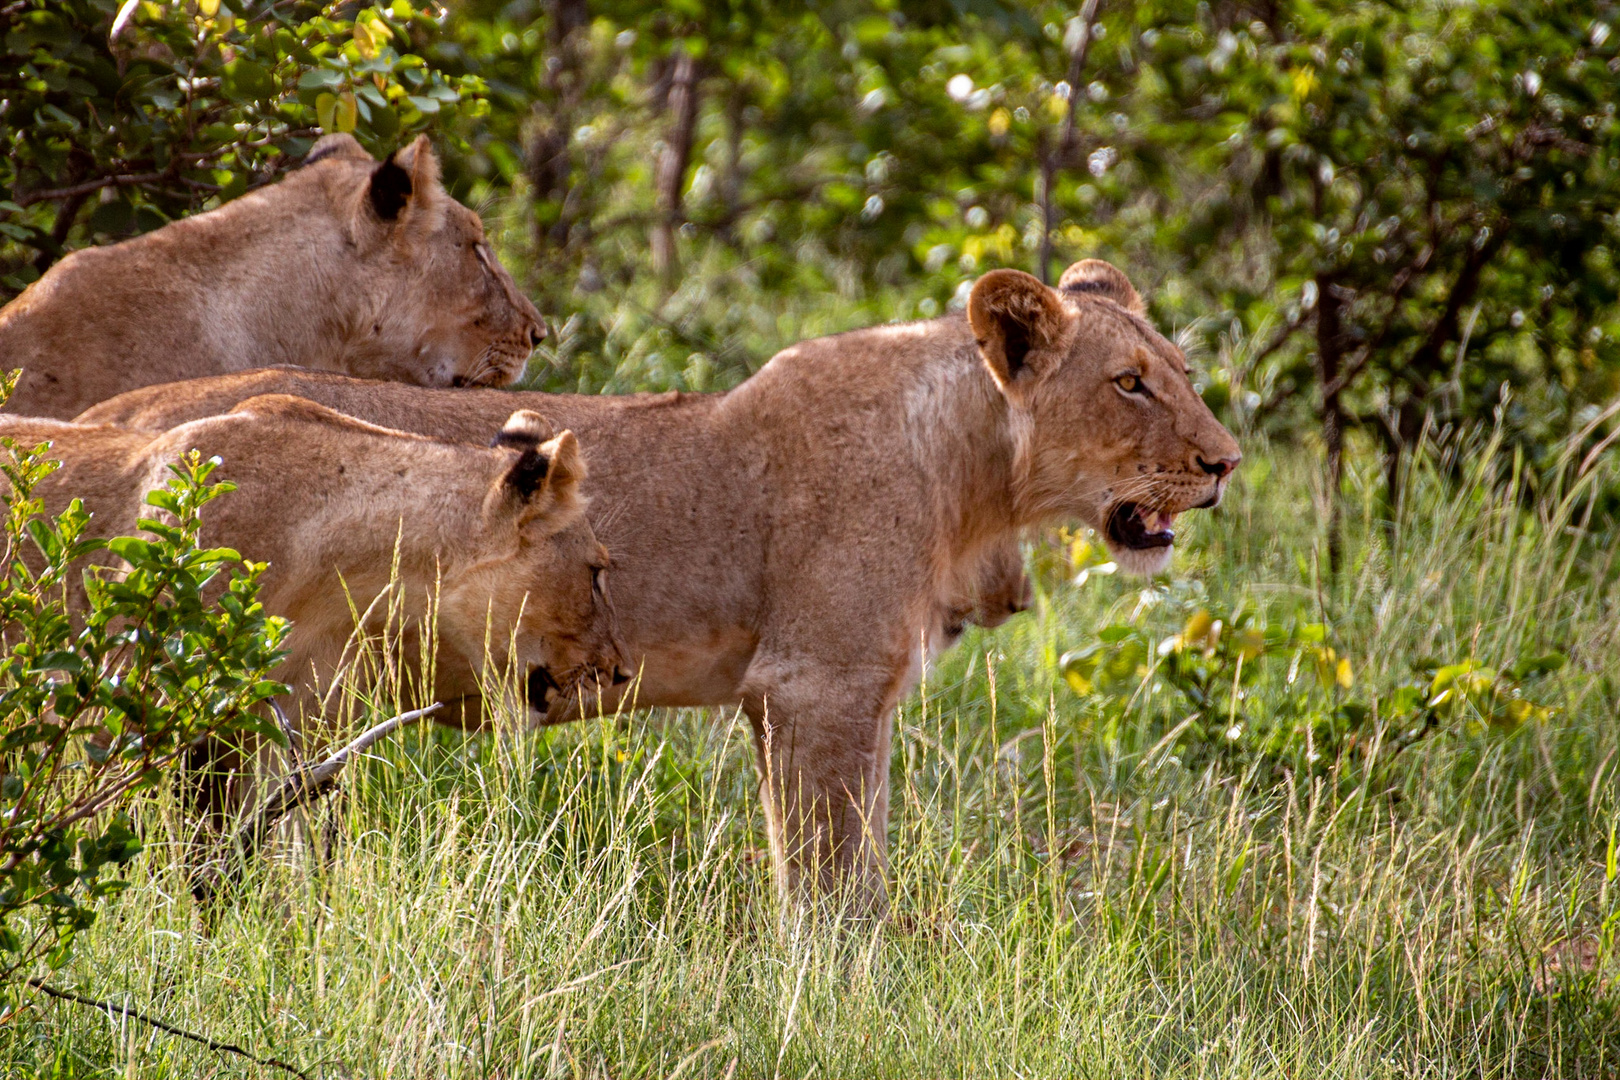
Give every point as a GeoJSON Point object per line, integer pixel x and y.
{"type": "Point", "coordinates": [116, 119]}
{"type": "Point", "coordinates": [99, 704]}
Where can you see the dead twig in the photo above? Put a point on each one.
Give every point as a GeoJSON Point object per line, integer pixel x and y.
{"type": "Point", "coordinates": [304, 785]}
{"type": "Point", "coordinates": [125, 1010]}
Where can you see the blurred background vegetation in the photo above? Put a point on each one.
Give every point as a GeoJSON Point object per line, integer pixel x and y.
{"type": "Point", "coordinates": [1361, 219]}
{"type": "Point", "coordinates": [1296, 821]}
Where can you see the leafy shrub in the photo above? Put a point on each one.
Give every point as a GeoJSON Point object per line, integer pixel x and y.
{"type": "Point", "coordinates": [107, 135]}
{"type": "Point", "coordinates": [1275, 694]}
{"type": "Point", "coordinates": [99, 704]}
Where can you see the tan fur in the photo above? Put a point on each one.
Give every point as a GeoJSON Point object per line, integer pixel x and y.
{"type": "Point", "coordinates": [325, 499]}
{"type": "Point", "coordinates": [794, 543]}
{"type": "Point", "coordinates": [302, 272]}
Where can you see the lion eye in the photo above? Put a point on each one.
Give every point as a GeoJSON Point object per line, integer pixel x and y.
{"type": "Point", "coordinates": [1131, 384]}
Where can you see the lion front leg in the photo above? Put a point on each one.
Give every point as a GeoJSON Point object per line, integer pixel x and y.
{"type": "Point", "coordinates": [822, 746]}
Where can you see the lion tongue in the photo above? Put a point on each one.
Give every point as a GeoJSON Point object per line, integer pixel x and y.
{"type": "Point", "coordinates": [1157, 521]}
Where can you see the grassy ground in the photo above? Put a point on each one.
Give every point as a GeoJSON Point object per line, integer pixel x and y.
{"type": "Point", "coordinates": [1084, 884]}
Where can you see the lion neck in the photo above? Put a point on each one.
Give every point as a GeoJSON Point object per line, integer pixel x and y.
{"type": "Point", "coordinates": [956, 432]}
{"type": "Point", "coordinates": [283, 277]}
{"type": "Point", "coordinates": [407, 553]}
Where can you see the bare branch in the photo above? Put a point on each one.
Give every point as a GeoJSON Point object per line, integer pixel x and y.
{"type": "Point", "coordinates": [1054, 158]}
{"type": "Point", "coordinates": [1077, 68]}
{"type": "Point", "coordinates": [125, 1010]}
{"type": "Point", "coordinates": [28, 198]}
{"type": "Point", "coordinates": [1278, 341]}
{"type": "Point", "coordinates": [304, 785]}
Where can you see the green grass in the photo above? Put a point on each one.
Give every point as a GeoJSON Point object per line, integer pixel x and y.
{"type": "Point", "coordinates": [1072, 896]}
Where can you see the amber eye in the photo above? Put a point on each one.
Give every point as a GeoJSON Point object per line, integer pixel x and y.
{"type": "Point", "coordinates": [1128, 383]}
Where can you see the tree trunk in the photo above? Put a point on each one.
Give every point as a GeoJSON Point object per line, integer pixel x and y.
{"type": "Point", "coordinates": [546, 153]}
{"type": "Point", "coordinates": [1329, 363]}
{"type": "Point", "coordinates": [672, 163]}
{"type": "Point", "coordinates": [1057, 157]}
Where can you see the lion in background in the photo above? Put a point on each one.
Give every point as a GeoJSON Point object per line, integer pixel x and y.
{"type": "Point", "coordinates": [349, 265]}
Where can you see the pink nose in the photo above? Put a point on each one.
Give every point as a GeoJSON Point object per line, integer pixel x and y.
{"type": "Point", "coordinates": [1220, 467]}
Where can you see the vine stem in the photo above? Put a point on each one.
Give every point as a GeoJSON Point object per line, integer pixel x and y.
{"type": "Point", "coordinates": [134, 1014]}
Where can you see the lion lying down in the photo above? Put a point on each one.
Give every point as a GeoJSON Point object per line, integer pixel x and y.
{"type": "Point", "coordinates": [348, 264]}
{"type": "Point", "coordinates": [801, 544]}
{"type": "Point", "coordinates": [331, 502]}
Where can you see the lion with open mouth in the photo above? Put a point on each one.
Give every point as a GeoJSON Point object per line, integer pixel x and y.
{"type": "Point", "coordinates": [801, 544]}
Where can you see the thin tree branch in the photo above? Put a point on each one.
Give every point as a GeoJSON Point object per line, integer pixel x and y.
{"type": "Point", "coordinates": [304, 785]}
{"type": "Point", "coordinates": [1077, 68]}
{"type": "Point", "coordinates": [1350, 372]}
{"type": "Point", "coordinates": [125, 1010]}
{"type": "Point", "coordinates": [1277, 341]}
{"type": "Point", "coordinates": [29, 198]}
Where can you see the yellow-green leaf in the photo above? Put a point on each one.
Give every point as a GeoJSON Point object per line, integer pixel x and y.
{"type": "Point", "coordinates": [1197, 627]}
{"type": "Point", "coordinates": [325, 111]}
{"type": "Point", "coordinates": [346, 113]}
{"type": "Point", "coordinates": [1251, 642]}
{"type": "Point", "coordinates": [364, 43]}
{"type": "Point", "coordinates": [208, 8]}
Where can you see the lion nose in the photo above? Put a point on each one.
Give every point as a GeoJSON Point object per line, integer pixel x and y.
{"type": "Point", "coordinates": [1220, 467]}
{"type": "Point", "coordinates": [621, 675]}
{"type": "Point", "coordinates": [537, 334]}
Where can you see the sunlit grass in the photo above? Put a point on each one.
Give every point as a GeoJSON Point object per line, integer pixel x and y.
{"type": "Point", "coordinates": [594, 900]}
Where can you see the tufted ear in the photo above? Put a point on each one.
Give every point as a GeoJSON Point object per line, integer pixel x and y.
{"type": "Point", "coordinates": [1094, 277]}
{"type": "Point", "coordinates": [1020, 325]}
{"type": "Point", "coordinates": [543, 478]}
{"type": "Point", "coordinates": [406, 190]}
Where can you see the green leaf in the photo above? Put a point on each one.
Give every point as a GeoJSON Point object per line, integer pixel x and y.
{"type": "Point", "coordinates": [246, 80]}
{"type": "Point", "coordinates": [320, 79]}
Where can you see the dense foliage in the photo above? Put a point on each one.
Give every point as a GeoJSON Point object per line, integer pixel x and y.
{"type": "Point", "coordinates": [116, 118]}
{"type": "Point", "coordinates": [1383, 214]}
{"type": "Point", "coordinates": [106, 681]}
{"type": "Point", "coordinates": [1366, 217]}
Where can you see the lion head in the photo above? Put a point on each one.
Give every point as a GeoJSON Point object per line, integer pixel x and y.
{"type": "Point", "coordinates": [544, 580]}
{"type": "Point", "coordinates": [436, 306]}
{"type": "Point", "coordinates": [1107, 425]}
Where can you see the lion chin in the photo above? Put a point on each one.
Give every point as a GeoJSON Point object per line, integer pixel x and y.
{"type": "Point", "coordinates": [1141, 540]}
{"type": "Point", "coordinates": [1141, 563]}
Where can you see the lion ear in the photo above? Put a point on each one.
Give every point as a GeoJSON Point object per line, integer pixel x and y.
{"type": "Point", "coordinates": [1020, 325]}
{"type": "Point", "coordinates": [544, 478]}
{"type": "Point", "coordinates": [406, 189]}
{"type": "Point", "coordinates": [524, 430]}
{"type": "Point", "coordinates": [1094, 277]}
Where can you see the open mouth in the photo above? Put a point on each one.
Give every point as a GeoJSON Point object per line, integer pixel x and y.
{"type": "Point", "coordinates": [541, 689]}
{"type": "Point", "coordinates": [1133, 526]}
